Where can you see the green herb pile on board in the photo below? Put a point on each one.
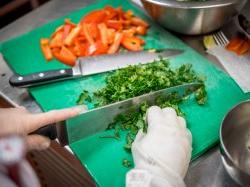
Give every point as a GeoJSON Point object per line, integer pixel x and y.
{"type": "Point", "coordinates": [138, 80]}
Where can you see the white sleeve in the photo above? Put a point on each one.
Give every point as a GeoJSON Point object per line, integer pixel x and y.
{"type": "Point", "coordinates": [143, 178]}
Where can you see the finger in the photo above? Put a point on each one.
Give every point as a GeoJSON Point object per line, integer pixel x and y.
{"type": "Point", "coordinates": [170, 116]}
{"type": "Point", "coordinates": [37, 142]}
{"type": "Point", "coordinates": [181, 122]}
{"type": "Point", "coordinates": [154, 117]}
{"type": "Point", "coordinates": [42, 119]}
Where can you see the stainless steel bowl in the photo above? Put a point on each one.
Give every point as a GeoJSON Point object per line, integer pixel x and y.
{"type": "Point", "coordinates": [192, 17]}
{"type": "Point", "coordinates": [235, 143]}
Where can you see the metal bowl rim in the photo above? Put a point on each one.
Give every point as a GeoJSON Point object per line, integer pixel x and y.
{"type": "Point", "coordinates": [193, 5]}
{"type": "Point", "coordinates": [221, 139]}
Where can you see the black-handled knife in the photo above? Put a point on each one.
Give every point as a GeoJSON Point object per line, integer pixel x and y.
{"type": "Point", "coordinates": [40, 78]}
{"type": "Point", "coordinates": [92, 65]}
{"type": "Point", "coordinates": [48, 131]}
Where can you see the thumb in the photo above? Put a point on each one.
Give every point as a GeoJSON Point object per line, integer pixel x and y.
{"type": "Point", "coordinates": [37, 142]}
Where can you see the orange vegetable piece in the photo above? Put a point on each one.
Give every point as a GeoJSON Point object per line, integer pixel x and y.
{"type": "Point", "coordinates": [116, 44]}
{"type": "Point", "coordinates": [100, 48]}
{"type": "Point", "coordinates": [132, 43]}
{"type": "Point", "coordinates": [129, 32]}
{"type": "Point", "coordinates": [115, 24]}
{"type": "Point", "coordinates": [66, 31]}
{"type": "Point", "coordinates": [72, 35]}
{"type": "Point", "coordinates": [110, 35]}
{"type": "Point", "coordinates": [87, 34]}
{"type": "Point", "coordinates": [128, 15]}
{"type": "Point", "coordinates": [104, 33]}
{"type": "Point", "coordinates": [65, 56]}
{"type": "Point", "coordinates": [243, 49]}
{"type": "Point", "coordinates": [44, 43]}
{"type": "Point", "coordinates": [141, 30]}
{"type": "Point", "coordinates": [96, 17]}
{"type": "Point", "coordinates": [234, 44]}
{"type": "Point", "coordinates": [110, 12]}
{"type": "Point", "coordinates": [57, 40]}
{"type": "Point", "coordinates": [139, 22]}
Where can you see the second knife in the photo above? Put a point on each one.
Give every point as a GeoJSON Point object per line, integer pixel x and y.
{"type": "Point", "coordinates": [92, 65]}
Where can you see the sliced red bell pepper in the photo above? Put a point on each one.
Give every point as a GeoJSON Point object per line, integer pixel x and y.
{"type": "Point", "coordinates": [44, 43]}
{"type": "Point", "coordinates": [110, 35]}
{"type": "Point", "coordinates": [141, 30]}
{"type": "Point", "coordinates": [115, 24]}
{"type": "Point", "coordinates": [139, 22]}
{"type": "Point", "coordinates": [96, 17]}
{"type": "Point", "coordinates": [100, 48]}
{"type": "Point", "coordinates": [234, 44]}
{"type": "Point", "coordinates": [87, 34]}
{"type": "Point", "coordinates": [72, 35]}
{"type": "Point", "coordinates": [65, 56]}
{"type": "Point", "coordinates": [116, 44]}
{"type": "Point", "coordinates": [243, 49]}
{"type": "Point", "coordinates": [57, 41]}
{"type": "Point", "coordinates": [103, 32]}
{"type": "Point", "coordinates": [66, 31]}
{"type": "Point", "coordinates": [132, 43]}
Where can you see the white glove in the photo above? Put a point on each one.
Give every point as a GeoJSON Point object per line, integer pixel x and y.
{"type": "Point", "coordinates": [162, 155]}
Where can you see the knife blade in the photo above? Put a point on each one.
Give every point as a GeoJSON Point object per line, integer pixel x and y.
{"type": "Point", "coordinates": [96, 120]}
{"type": "Point", "coordinates": [92, 65]}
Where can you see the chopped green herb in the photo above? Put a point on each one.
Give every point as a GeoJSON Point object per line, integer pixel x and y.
{"type": "Point", "coordinates": [126, 163]}
{"type": "Point", "coordinates": [138, 80]}
{"type": "Point", "coordinates": [83, 98]}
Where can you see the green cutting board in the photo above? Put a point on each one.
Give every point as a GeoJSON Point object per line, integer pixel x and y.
{"type": "Point", "coordinates": [103, 157]}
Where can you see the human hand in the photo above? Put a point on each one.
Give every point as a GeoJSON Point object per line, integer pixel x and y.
{"type": "Point", "coordinates": [164, 151]}
{"type": "Point", "coordinates": [21, 121]}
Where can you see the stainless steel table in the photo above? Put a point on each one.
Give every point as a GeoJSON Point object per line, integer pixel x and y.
{"type": "Point", "coordinates": [204, 171]}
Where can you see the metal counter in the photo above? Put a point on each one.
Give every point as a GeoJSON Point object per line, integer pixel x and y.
{"type": "Point", "coordinates": [204, 171]}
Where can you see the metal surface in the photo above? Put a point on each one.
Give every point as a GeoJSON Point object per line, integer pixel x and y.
{"type": "Point", "coordinates": [205, 171]}
{"type": "Point", "coordinates": [192, 17]}
{"type": "Point", "coordinates": [96, 120]}
{"type": "Point", "coordinates": [235, 143]}
{"type": "Point", "coordinates": [104, 63]}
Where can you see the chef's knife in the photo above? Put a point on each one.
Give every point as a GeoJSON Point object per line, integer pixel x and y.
{"type": "Point", "coordinates": [96, 120]}
{"type": "Point", "coordinates": [92, 65]}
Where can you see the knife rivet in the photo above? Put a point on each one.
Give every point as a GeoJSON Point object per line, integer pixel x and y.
{"type": "Point", "coordinates": [62, 71]}
{"type": "Point", "coordinates": [20, 78]}
{"type": "Point", "coordinates": [41, 74]}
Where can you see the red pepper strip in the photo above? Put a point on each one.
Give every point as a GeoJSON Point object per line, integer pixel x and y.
{"type": "Point", "coordinates": [69, 22]}
{"type": "Point", "coordinates": [66, 31]}
{"type": "Point", "coordinates": [72, 35]}
{"type": "Point", "coordinates": [129, 32]}
{"type": "Point", "coordinates": [103, 31]}
{"type": "Point", "coordinates": [243, 49]}
{"type": "Point", "coordinates": [116, 44]}
{"type": "Point", "coordinates": [110, 35]}
{"type": "Point", "coordinates": [111, 12]}
{"type": "Point", "coordinates": [56, 41]}
{"type": "Point", "coordinates": [65, 56]}
{"type": "Point", "coordinates": [94, 31]}
{"type": "Point", "coordinates": [96, 17]}
{"type": "Point", "coordinates": [128, 15]}
{"type": "Point", "coordinates": [139, 22]}
{"type": "Point", "coordinates": [234, 44]}
{"type": "Point", "coordinates": [115, 24]}
{"type": "Point", "coordinates": [58, 29]}
{"type": "Point", "coordinates": [132, 43]}
{"type": "Point", "coordinates": [141, 30]}
{"type": "Point", "coordinates": [44, 43]}
{"type": "Point", "coordinates": [100, 48]}
{"type": "Point", "coordinates": [87, 34]}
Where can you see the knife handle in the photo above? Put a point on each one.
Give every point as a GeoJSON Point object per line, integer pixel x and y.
{"type": "Point", "coordinates": [48, 131]}
{"type": "Point", "coordinates": [40, 78]}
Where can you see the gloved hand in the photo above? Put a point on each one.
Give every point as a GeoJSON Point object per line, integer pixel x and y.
{"type": "Point", "coordinates": [162, 155]}
{"type": "Point", "coordinates": [21, 121]}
